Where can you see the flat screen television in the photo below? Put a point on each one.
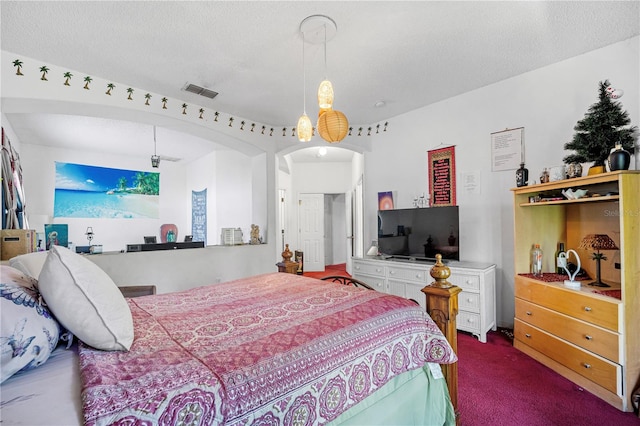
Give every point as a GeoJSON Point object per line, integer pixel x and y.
{"type": "Point", "coordinates": [419, 233]}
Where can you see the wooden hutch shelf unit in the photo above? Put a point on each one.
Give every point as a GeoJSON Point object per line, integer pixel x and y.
{"type": "Point", "coordinates": [588, 335]}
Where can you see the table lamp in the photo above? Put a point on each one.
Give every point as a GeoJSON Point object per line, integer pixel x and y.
{"type": "Point", "coordinates": [598, 242]}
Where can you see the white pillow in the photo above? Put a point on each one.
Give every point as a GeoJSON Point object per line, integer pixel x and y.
{"type": "Point", "coordinates": [30, 263]}
{"type": "Point", "coordinates": [85, 300]}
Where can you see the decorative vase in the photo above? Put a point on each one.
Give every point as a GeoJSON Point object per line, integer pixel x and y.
{"type": "Point", "coordinates": [574, 170]}
{"type": "Point", "coordinates": [619, 159]}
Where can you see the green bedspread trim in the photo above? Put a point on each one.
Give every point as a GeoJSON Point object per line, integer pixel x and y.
{"type": "Point", "coordinates": [413, 398]}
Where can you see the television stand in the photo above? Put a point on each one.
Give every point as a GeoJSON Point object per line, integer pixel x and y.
{"type": "Point", "coordinates": [406, 276]}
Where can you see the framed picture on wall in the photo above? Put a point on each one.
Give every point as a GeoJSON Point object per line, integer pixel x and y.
{"type": "Point", "coordinates": [102, 192]}
{"type": "Point", "coordinates": [385, 200]}
{"type": "Point", "coordinates": [56, 235]}
{"type": "Point", "coordinates": [442, 176]}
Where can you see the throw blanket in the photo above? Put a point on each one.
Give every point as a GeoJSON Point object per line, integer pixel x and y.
{"type": "Point", "coordinates": [265, 350]}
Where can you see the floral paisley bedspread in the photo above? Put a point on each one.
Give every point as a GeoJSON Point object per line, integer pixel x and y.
{"type": "Point", "coordinates": [274, 349]}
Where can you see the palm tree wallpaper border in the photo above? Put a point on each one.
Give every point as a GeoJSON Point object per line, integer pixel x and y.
{"type": "Point", "coordinates": [83, 191]}
{"type": "Point", "coordinates": [43, 71]}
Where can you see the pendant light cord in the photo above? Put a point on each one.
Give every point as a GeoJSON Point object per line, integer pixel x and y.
{"type": "Point", "coordinates": [154, 140]}
{"type": "Point", "coordinates": [304, 79]}
{"type": "Point", "coordinates": [325, 51]}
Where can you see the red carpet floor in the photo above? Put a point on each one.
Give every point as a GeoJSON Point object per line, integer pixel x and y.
{"type": "Point", "coordinates": [499, 386]}
{"type": "Point", "coordinates": [339, 269]}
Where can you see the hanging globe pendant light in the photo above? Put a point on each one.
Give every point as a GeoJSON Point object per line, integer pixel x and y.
{"type": "Point", "coordinates": [333, 126]}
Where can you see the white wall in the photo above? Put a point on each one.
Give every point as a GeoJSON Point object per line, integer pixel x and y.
{"type": "Point", "coordinates": [38, 165]}
{"type": "Point", "coordinates": [547, 103]}
{"type": "Point", "coordinates": [233, 192]}
{"type": "Point", "coordinates": [201, 175]}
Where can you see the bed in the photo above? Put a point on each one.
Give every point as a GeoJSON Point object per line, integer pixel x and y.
{"type": "Point", "coordinates": [270, 349]}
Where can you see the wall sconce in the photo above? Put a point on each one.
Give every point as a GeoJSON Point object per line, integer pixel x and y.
{"type": "Point", "coordinates": [598, 242]}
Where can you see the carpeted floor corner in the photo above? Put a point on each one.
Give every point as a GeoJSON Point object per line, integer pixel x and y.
{"type": "Point", "coordinates": [499, 385]}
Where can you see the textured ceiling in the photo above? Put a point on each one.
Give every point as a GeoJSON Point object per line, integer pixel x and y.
{"type": "Point", "coordinates": [405, 54]}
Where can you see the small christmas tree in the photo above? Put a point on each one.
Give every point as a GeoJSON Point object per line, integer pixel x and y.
{"type": "Point", "coordinates": [602, 127]}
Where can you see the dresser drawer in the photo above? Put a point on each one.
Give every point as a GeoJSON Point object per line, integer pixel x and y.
{"type": "Point", "coordinates": [405, 274]}
{"type": "Point", "coordinates": [377, 282]}
{"type": "Point", "coordinates": [469, 301]}
{"type": "Point", "coordinates": [468, 321]}
{"type": "Point", "coordinates": [584, 306]}
{"type": "Point", "coordinates": [466, 282]}
{"type": "Point", "coordinates": [597, 369]}
{"type": "Point", "coordinates": [368, 269]}
{"type": "Point", "coordinates": [603, 342]}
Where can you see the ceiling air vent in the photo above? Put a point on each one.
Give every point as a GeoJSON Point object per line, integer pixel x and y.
{"type": "Point", "coordinates": [198, 90]}
{"type": "Point", "coordinates": [167, 158]}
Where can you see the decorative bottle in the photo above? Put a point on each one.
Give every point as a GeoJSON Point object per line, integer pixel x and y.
{"type": "Point", "coordinates": [522, 176]}
{"type": "Point", "coordinates": [561, 261]}
{"type": "Point", "coordinates": [536, 261]}
{"type": "Point", "coordinates": [619, 159]}
{"type": "Point", "coordinates": [544, 176]}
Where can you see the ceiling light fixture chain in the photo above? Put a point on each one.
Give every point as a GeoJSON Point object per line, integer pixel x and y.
{"type": "Point", "coordinates": [155, 158]}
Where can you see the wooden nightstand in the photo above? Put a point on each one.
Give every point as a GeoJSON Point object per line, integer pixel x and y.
{"type": "Point", "coordinates": [288, 267]}
{"type": "Point", "coordinates": [138, 290]}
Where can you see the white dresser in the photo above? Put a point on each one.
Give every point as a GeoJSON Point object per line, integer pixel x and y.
{"type": "Point", "coordinates": [406, 278]}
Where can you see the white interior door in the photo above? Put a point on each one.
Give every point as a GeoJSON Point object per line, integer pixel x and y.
{"type": "Point", "coordinates": [311, 230]}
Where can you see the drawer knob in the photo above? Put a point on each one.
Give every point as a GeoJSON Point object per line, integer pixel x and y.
{"type": "Point", "coordinates": [379, 270]}
{"type": "Point", "coordinates": [587, 308]}
{"type": "Point", "coordinates": [469, 300]}
{"type": "Point", "coordinates": [418, 275]}
{"type": "Point", "coordinates": [588, 337]}
{"type": "Point", "coordinates": [358, 267]}
{"type": "Point", "coordinates": [392, 272]}
{"type": "Point", "coordinates": [527, 335]}
{"type": "Point", "coordinates": [529, 313]}
{"type": "Point", "coordinates": [469, 282]}
{"type": "Point", "coordinates": [586, 365]}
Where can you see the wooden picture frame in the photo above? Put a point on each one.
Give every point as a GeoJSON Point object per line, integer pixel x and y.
{"type": "Point", "coordinates": [442, 176]}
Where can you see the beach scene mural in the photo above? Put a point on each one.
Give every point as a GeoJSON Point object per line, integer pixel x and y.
{"type": "Point", "coordinates": [100, 192]}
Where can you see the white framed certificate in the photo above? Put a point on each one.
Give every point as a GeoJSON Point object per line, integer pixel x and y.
{"type": "Point", "coordinates": [507, 149]}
